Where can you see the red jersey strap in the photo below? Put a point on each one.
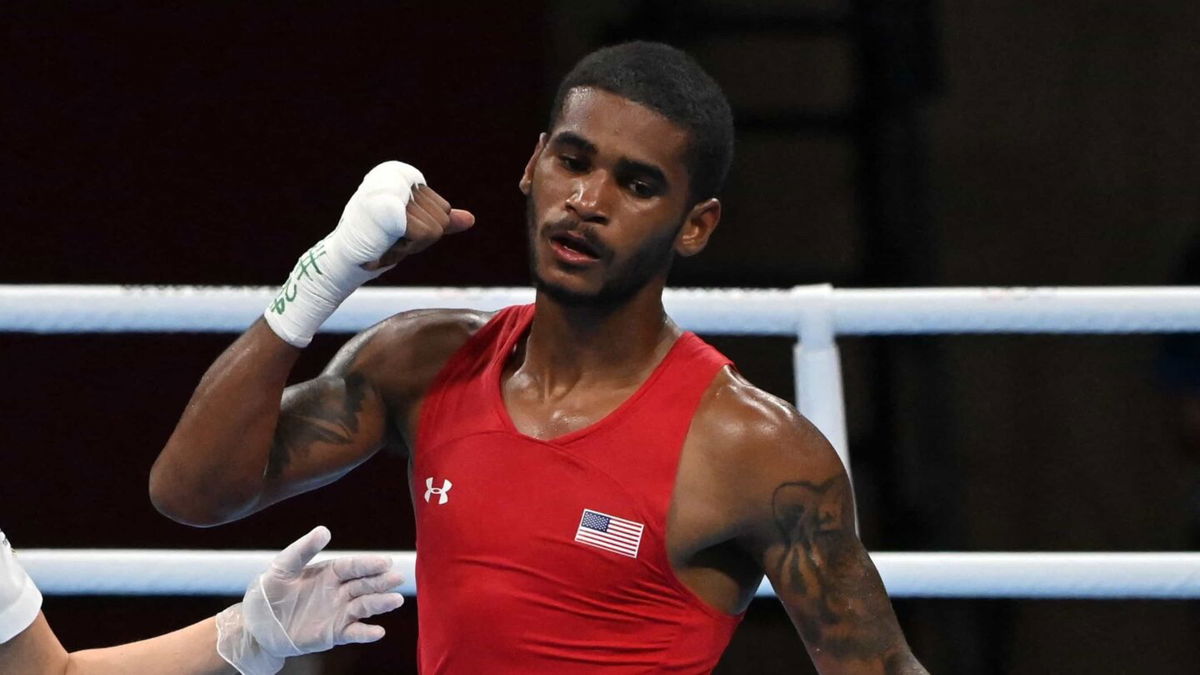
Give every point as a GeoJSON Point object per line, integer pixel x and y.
{"type": "Point", "coordinates": [468, 370]}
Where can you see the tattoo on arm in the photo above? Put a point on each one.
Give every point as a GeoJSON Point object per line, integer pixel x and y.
{"type": "Point", "coordinates": [842, 608]}
{"type": "Point", "coordinates": [317, 417]}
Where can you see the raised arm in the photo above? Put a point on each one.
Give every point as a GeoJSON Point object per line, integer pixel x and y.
{"type": "Point", "coordinates": [243, 441]}
{"type": "Point", "coordinates": [802, 533]}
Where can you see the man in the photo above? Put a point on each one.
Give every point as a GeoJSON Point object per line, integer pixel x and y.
{"type": "Point", "coordinates": [293, 608]}
{"type": "Point", "coordinates": [594, 488]}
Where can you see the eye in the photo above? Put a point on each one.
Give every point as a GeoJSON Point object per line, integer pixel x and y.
{"type": "Point", "coordinates": [572, 163]}
{"type": "Point", "coordinates": [642, 189]}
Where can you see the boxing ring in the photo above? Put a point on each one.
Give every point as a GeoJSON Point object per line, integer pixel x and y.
{"type": "Point", "coordinates": [815, 315]}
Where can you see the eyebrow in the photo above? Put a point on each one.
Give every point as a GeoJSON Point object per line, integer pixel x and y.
{"type": "Point", "coordinates": [574, 140]}
{"type": "Point", "coordinates": [624, 164]}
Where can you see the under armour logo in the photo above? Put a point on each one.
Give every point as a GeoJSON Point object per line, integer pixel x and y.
{"type": "Point", "coordinates": [439, 491]}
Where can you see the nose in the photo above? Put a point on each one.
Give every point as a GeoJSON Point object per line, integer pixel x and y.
{"type": "Point", "coordinates": [588, 198]}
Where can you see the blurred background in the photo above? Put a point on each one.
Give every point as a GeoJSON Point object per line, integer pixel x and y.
{"type": "Point", "coordinates": [880, 143]}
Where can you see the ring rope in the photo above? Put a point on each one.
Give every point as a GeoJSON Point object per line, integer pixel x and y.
{"type": "Point", "coordinates": [83, 309]}
{"type": "Point", "coordinates": [905, 574]}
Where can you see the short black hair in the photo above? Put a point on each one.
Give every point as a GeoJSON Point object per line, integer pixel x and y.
{"type": "Point", "coordinates": [671, 83]}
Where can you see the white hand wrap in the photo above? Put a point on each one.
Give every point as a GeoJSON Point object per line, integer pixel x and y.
{"type": "Point", "coordinates": [374, 219]}
{"type": "Point", "coordinates": [294, 608]}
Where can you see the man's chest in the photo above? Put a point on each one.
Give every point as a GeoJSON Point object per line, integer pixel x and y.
{"type": "Point", "coordinates": [555, 514]}
{"type": "Point", "coordinates": [548, 491]}
{"type": "Point", "coordinates": [545, 417]}
{"type": "Point", "coordinates": [533, 514]}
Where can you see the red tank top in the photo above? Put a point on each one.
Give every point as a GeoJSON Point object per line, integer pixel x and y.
{"type": "Point", "coordinates": [550, 556]}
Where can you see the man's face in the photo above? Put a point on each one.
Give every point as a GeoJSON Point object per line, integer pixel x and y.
{"type": "Point", "coordinates": [607, 191]}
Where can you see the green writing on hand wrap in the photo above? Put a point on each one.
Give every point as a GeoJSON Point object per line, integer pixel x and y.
{"type": "Point", "coordinates": [305, 267]}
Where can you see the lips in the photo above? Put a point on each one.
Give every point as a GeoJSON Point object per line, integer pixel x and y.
{"type": "Point", "coordinates": [576, 244]}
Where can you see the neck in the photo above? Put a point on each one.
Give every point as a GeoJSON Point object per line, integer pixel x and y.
{"type": "Point", "coordinates": [568, 344]}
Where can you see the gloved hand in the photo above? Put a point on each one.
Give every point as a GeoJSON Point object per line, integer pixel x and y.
{"type": "Point", "coordinates": [294, 608]}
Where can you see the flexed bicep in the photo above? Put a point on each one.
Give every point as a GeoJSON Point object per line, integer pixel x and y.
{"type": "Point", "coordinates": [326, 427]}
{"type": "Point", "coordinates": [324, 411]}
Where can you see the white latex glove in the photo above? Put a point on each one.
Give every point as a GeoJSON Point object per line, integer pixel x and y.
{"type": "Point", "coordinates": [294, 608]}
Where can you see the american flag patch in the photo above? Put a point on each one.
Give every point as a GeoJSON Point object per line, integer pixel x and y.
{"type": "Point", "coordinates": [609, 533]}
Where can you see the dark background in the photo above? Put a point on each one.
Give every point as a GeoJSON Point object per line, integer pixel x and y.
{"type": "Point", "coordinates": [897, 143]}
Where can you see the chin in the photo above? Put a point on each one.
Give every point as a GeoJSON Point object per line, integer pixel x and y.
{"type": "Point", "coordinates": [609, 296]}
{"type": "Point", "coordinates": [566, 294]}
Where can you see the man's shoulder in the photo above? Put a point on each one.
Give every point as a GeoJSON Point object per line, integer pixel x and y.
{"type": "Point", "coordinates": [744, 428]}
{"type": "Point", "coordinates": [738, 413]}
{"type": "Point", "coordinates": [414, 343]}
{"type": "Point", "coordinates": [431, 326]}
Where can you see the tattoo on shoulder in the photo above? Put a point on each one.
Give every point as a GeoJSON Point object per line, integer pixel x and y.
{"type": "Point", "coordinates": [824, 570]}
{"type": "Point", "coordinates": [317, 417]}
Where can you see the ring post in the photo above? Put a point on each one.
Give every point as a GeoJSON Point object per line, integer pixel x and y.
{"type": "Point", "coordinates": [818, 366]}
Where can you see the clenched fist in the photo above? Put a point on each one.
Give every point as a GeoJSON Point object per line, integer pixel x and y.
{"type": "Point", "coordinates": [392, 215]}
{"type": "Point", "coordinates": [429, 218]}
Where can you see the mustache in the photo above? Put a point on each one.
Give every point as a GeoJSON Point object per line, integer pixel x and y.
{"type": "Point", "coordinates": [575, 227]}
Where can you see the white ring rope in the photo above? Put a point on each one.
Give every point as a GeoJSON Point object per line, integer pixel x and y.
{"type": "Point", "coordinates": [83, 309]}
{"type": "Point", "coordinates": [937, 575]}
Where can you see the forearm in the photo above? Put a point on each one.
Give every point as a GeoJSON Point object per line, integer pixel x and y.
{"type": "Point", "coordinates": [190, 650]}
{"type": "Point", "coordinates": [35, 650]}
{"type": "Point", "coordinates": [211, 469]}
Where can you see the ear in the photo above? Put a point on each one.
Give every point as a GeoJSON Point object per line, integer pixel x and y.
{"type": "Point", "coordinates": [699, 225]}
{"type": "Point", "coordinates": [526, 182]}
